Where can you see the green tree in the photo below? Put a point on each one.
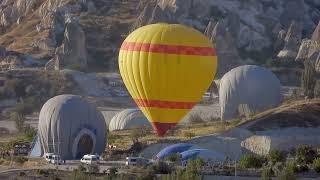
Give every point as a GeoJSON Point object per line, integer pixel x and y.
{"type": "Point", "coordinates": [266, 173]}
{"type": "Point", "coordinates": [19, 120]}
{"type": "Point", "coordinates": [316, 165]}
{"type": "Point", "coordinates": [251, 161]}
{"type": "Point", "coordinates": [288, 173]}
{"type": "Point", "coordinates": [174, 158]}
{"type": "Point", "coordinates": [276, 156]}
{"type": "Point", "coordinates": [305, 154]}
{"type": "Point", "coordinates": [111, 138]}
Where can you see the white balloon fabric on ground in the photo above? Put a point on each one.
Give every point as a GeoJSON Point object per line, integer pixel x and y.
{"type": "Point", "coordinates": [247, 90]}
{"type": "Point", "coordinates": [129, 118]}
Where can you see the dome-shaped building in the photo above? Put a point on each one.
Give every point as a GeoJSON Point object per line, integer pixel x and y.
{"type": "Point", "coordinates": [71, 127]}
{"type": "Point", "coordinates": [247, 90]}
{"type": "Point", "coordinates": [129, 118]}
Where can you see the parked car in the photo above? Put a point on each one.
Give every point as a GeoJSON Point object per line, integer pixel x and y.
{"type": "Point", "coordinates": [136, 161]}
{"type": "Point", "coordinates": [53, 158]}
{"type": "Point", "coordinates": [56, 159]}
{"type": "Point", "coordinates": [90, 159]}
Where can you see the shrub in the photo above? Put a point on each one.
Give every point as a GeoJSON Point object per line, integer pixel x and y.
{"type": "Point", "coordinates": [111, 138]}
{"type": "Point", "coordinates": [93, 168]}
{"type": "Point", "coordinates": [14, 88]}
{"type": "Point", "coordinates": [266, 173]}
{"type": "Point", "coordinates": [161, 168]}
{"type": "Point", "coordinates": [276, 156]}
{"type": "Point", "coordinates": [288, 172]}
{"type": "Point", "coordinates": [18, 119]}
{"type": "Point", "coordinates": [22, 174]}
{"type": "Point", "coordinates": [195, 118]}
{"type": "Point", "coordinates": [302, 168]}
{"type": "Point", "coordinates": [188, 134]}
{"type": "Point", "coordinates": [277, 168]}
{"type": "Point", "coordinates": [192, 171]}
{"type": "Point", "coordinates": [29, 132]}
{"type": "Point", "coordinates": [173, 157]}
{"type": "Point", "coordinates": [78, 175]}
{"type": "Point", "coordinates": [138, 133]}
{"type": "Point", "coordinates": [82, 168]}
{"type": "Point", "coordinates": [195, 166]}
{"type": "Point", "coordinates": [305, 154]}
{"type": "Point", "coordinates": [43, 172]}
{"type": "Point", "coordinates": [24, 108]}
{"type": "Point", "coordinates": [251, 161]}
{"type": "Point", "coordinates": [149, 174]}
{"type": "Point", "coordinates": [76, 67]}
{"type": "Point", "coordinates": [316, 165]}
{"type": "Point", "coordinates": [30, 90]}
{"type": "Point", "coordinates": [20, 159]}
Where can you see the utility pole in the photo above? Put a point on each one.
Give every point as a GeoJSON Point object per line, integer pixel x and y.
{"type": "Point", "coordinates": [235, 169]}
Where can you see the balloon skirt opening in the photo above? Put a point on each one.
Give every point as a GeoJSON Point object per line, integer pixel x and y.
{"type": "Point", "coordinates": [162, 128]}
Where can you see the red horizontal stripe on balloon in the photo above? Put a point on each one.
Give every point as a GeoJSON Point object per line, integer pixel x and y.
{"type": "Point", "coordinates": [164, 104]}
{"type": "Point", "coordinates": [168, 49]}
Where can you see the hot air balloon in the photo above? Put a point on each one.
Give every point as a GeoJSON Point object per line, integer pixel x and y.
{"type": "Point", "coordinates": [166, 69]}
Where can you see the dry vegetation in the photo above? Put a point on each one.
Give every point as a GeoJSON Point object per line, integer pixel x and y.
{"type": "Point", "coordinates": [302, 113]}
{"type": "Point", "coordinates": [123, 139]}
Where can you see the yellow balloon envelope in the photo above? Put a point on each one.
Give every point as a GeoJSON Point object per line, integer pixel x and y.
{"type": "Point", "coordinates": [167, 68]}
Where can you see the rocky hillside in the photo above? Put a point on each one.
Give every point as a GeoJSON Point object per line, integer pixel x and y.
{"type": "Point", "coordinates": [284, 127]}
{"type": "Point", "coordinates": [77, 34]}
{"type": "Point", "coordinates": [65, 33]}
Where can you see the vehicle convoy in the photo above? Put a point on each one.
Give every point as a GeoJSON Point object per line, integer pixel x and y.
{"type": "Point", "coordinates": [90, 159]}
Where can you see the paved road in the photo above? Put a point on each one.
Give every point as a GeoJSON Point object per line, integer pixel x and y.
{"type": "Point", "coordinates": [70, 165]}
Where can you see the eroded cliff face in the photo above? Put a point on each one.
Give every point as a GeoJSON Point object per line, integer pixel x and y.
{"type": "Point", "coordinates": [41, 29]}
{"type": "Point", "coordinates": [244, 31]}
{"type": "Point", "coordinates": [250, 31]}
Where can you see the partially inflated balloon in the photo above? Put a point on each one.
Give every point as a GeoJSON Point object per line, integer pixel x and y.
{"type": "Point", "coordinates": [166, 69]}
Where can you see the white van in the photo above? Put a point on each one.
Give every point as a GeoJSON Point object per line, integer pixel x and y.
{"type": "Point", "coordinates": [56, 159]}
{"type": "Point", "coordinates": [90, 159]}
{"type": "Point", "coordinates": [53, 158]}
{"type": "Point", "coordinates": [48, 157]}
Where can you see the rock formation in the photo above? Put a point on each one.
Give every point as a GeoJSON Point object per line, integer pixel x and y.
{"type": "Point", "coordinates": [279, 43]}
{"type": "Point", "coordinates": [219, 33]}
{"type": "Point", "coordinates": [291, 42]}
{"type": "Point", "coordinates": [310, 48]}
{"type": "Point", "coordinates": [255, 25]}
{"type": "Point", "coordinates": [153, 13]}
{"type": "Point", "coordinates": [12, 11]}
{"type": "Point", "coordinates": [263, 144]}
{"type": "Point", "coordinates": [72, 53]}
{"type": "Point", "coordinates": [10, 60]}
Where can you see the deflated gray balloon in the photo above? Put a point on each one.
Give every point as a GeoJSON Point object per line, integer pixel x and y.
{"type": "Point", "coordinates": [71, 127]}
{"type": "Point", "coordinates": [247, 90]}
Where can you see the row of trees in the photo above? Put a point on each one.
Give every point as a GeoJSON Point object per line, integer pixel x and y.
{"type": "Point", "coordinates": [284, 165]}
